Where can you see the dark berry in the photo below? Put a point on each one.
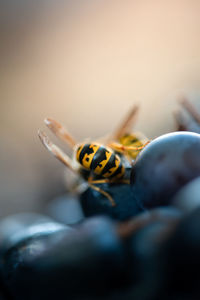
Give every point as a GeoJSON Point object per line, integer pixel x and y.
{"type": "Point", "coordinates": [19, 227]}
{"type": "Point", "coordinates": [150, 229]}
{"type": "Point", "coordinates": [77, 264]}
{"type": "Point", "coordinates": [94, 203]}
{"type": "Point", "coordinates": [188, 198]}
{"type": "Point", "coordinates": [164, 166]}
{"type": "Point", "coordinates": [180, 261]}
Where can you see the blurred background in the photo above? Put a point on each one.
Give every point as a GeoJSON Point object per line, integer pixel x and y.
{"type": "Point", "coordinates": [85, 63]}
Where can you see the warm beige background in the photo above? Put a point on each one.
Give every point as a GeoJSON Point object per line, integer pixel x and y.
{"type": "Point", "coordinates": [85, 65]}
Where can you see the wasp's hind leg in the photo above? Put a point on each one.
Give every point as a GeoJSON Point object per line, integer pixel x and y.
{"type": "Point", "coordinates": [107, 195]}
{"type": "Point", "coordinates": [57, 152]}
{"type": "Point", "coordinates": [92, 183]}
{"type": "Point", "coordinates": [100, 181]}
{"type": "Point", "coordinates": [60, 131]}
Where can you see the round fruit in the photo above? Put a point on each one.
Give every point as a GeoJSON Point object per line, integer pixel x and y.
{"type": "Point", "coordinates": [66, 264]}
{"type": "Point", "coordinates": [164, 166]}
{"type": "Point", "coordinates": [179, 260]}
{"type": "Point", "coordinates": [94, 203]}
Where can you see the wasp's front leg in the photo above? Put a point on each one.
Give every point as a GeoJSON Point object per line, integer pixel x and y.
{"type": "Point", "coordinates": [92, 182]}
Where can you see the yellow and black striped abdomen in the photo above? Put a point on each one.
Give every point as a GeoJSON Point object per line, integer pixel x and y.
{"type": "Point", "coordinates": [100, 160]}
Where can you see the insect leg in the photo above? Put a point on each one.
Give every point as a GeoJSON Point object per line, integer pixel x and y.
{"type": "Point", "coordinates": [92, 183]}
{"type": "Point", "coordinates": [122, 148]}
{"type": "Point", "coordinates": [60, 131]}
{"type": "Point", "coordinates": [126, 181]}
{"type": "Point", "coordinates": [100, 181]}
{"type": "Point", "coordinates": [56, 151]}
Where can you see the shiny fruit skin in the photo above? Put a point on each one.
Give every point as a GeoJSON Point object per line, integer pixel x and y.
{"type": "Point", "coordinates": [164, 166]}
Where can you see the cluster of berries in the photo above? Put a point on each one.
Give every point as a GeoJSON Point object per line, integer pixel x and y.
{"type": "Point", "coordinates": [142, 244]}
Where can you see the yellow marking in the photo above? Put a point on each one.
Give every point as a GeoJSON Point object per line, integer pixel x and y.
{"type": "Point", "coordinates": [99, 169]}
{"type": "Point", "coordinates": [126, 141]}
{"type": "Point", "coordinates": [87, 159]}
{"type": "Point", "coordinates": [79, 151]}
{"type": "Point", "coordinates": [112, 170]}
{"type": "Point", "coordinates": [121, 174]}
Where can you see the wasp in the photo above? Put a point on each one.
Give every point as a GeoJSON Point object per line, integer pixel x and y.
{"type": "Point", "coordinates": [126, 142]}
{"type": "Point", "coordinates": [103, 160]}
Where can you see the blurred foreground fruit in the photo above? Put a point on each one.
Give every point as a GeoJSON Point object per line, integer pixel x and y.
{"type": "Point", "coordinates": [164, 166]}
{"type": "Point", "coordinates": [143, 236]}
{"type": "Point", "coordinates": [179, 260]}
{"type": "Point", "coordinates": [65, 209]}
{"type": "Point", "coordinates": [23, 228]}
{"type": "Point", "coordinates": [66, 263]}
{"type": "Point", "coordinates": [19, 227]}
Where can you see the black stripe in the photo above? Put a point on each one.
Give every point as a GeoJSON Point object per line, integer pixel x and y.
{"type": "Point", "coordinates": [134, 140]}
{"type": "Point", "coordinates": [86, 150]}
{"type": "Point", "coordinates": [118, 171]}
{"type": "Point", "coordinates": [99, 156]}
{"type": "Point", "coordinates": [110, 164]}
{"type": "Point", "coordinates": [128, 139]}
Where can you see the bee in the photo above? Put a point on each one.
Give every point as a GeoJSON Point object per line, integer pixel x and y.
{"type": "Point", "coordinates": [103, 160]}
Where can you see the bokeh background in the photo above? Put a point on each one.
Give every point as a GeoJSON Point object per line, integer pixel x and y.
{"type": "Point", "coordinates": [85, 63]}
